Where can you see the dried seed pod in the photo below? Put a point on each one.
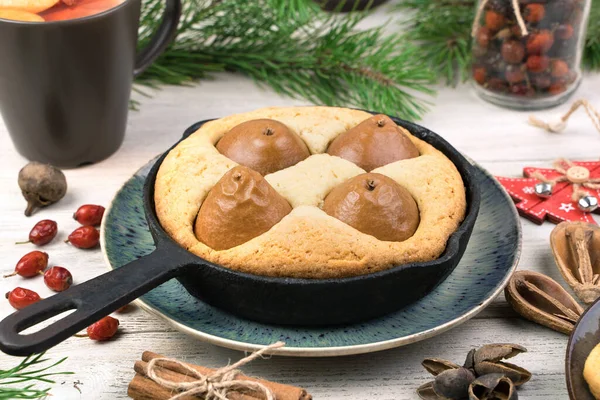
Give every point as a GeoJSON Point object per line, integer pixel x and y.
{"type": "Point", "coordinates": [576, 246]}
{"type": "Point", "coordinates": [41, 185]}
{"type": "Point", "coordinates": [436, 366]}
{"type": "Point", "coordinates": [492, 386]}
{"type": "Point", "coordinates": [426, 392]}
{"type": "Point", "coordinates": [513, 372]}
{"type": "Point", "coordinates": [453, 383]}
{"type": "Point", "coordinates": [470, 360]}
{"type": "Point", "coordinates": [497, 351]}
{"type": "Point", "coordinates": [541, 299]}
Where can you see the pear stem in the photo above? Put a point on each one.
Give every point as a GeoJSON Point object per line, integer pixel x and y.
{"type": "Point", "coordinates": [268, 132]}
{"type": "Point", "coordinates": [30, 207]}
{"type": "Point", "coordinates": [371, 185]}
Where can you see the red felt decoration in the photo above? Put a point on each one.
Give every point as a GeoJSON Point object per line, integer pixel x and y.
{"type": "Point", "coordinates": [560, 206]}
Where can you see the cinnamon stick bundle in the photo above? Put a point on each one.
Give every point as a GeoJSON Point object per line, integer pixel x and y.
{"type": "Point", "coordinates": [144, 388]}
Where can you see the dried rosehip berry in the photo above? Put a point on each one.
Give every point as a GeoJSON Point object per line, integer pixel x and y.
{"type": "Point", "coordinates": [499, 6]}
{"type": "Point", "coordinates": [521, 89]}
{"type": "Point", "coordinates": [479, 75]}
{"type": "Point", "coordinates": [20, 298]}
{"type": "Point", "coordinates": [537, 64]}
{"type": "Point", "coordinates": [559, 69]}
{"type": "Point", "coordinates": [103, 329]}
{"type": "Point", "coordinates": [514, 74]}
{"type": "Point", "coordinates": [42, 233]}
{"type": "Point", "coordinates": [534, 13]}
{"type": "Point", "coordinates": [58, 279]}
{"type": "Point", "coordinates": [556, 88]}
{"type": "Point", "coordinates": [512, 51]}
{"type": "Point", "coordinates": [561, 9]}
{"type": "Point", "coordinates": [539, 43]}
{"type": "Point", "coordinates": [494, 21]}
{"type": "Point", "coordinates": [564, 32]}
{"type": "Point", "coordinates": [516, 31]}
{"type": "Point", "coordinates": [89, 214]}
{"type": "Point", "coordinates": [31, 264]}
{"type": "Point", "coordinates": [84, 237]}
{"type": "Point", "coordinates": [541, 81]}
{"type": "Point", "coordinates": [483, 36]}
{"type": "Point", "coordinates": [497, 84]}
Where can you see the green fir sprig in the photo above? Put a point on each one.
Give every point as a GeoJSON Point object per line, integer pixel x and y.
{"type": "Point", "coordinates": [28, 372]}
{"type": "Point", "coordinates": [295, 48]}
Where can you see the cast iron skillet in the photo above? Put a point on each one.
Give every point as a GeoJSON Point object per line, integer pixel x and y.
{"type": "Point", "coordinates": [265, 299]}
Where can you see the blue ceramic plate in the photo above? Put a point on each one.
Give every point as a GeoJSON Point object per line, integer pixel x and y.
{"type": "Point", "coordinates": [584, 338]}
{"type": "Point", "coordinates": [489, 261]}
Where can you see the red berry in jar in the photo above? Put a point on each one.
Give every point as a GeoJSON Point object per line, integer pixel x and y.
{"type": "Point", "coordinates": [84, 237]}
{"type": "Point", "coordinates": [564, 32]}
{"type": "Point", "coordinates": [103, 329]}
{"type": "Point", "coordinates": [479, 75]}
{"type": "Point", "coordinates": [514, 74]}
{"type": "Point", "coordinates": [42, 233]}
{"type": "Point", "coordinates": [541, 81]}
{"type": "Point", "coordinates": [497, 84]}
{"type": "Point", "coordinates": [483, 37]}
{"type": "Point", "coordinates": [559, 69]}
{"type": "Point", "coordinates": [512, 51]}
{"type": "Point", "coordinates": [58, 279]}
{"type": "Point", "coordinates": [534, 13]}
{"type": "Point", "coordinates": [89, 214]}
{"type": "Point", "coordinates": [557, 88]}
{"type": "Point", "coordinates": [494, 21]}
{"type": "Point", "coordinates": [537, 64]}
{"type": "Point", "coordinates": [539, 43]}
{"type": "Point", "coordinates": [522, 89]}
{"type": "Point", "coordinates": [31, 264]}
{"type": "Point", "coordinates": [20, 298]}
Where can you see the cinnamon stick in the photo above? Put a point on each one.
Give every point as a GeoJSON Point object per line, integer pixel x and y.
{"type": "Point", "coordinates": [143, 388]}
{"type": "Point", "coordinates": [160, 392]}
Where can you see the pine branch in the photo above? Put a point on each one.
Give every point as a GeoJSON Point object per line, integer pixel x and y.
{"type": "Point", "coordinates": [306, 54]}
{"type": "Point", "coordinates": [24, 373]}
{"type": "Point", "coordinates": [591, 55]}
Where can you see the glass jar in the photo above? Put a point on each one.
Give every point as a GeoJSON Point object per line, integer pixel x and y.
{"type": "Point", "coordinates": [528, 58]}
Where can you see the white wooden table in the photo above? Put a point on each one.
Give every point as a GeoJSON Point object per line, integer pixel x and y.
{"type": "Point", "coordinates": [500, 140]}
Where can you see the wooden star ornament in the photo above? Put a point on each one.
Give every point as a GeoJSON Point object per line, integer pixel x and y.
{"type": "Point", "coordinates": [570, 182]}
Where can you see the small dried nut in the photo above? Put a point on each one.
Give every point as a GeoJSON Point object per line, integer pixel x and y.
{"type": "Point", "coordinates": [541, 299]}
{"type": "Point", "coordinates": [492, 386]}
{"type": "Point", "coordinates": [426, 392]}
{"type": "Point", "coordinates": [453, 383]}
{"type": "Point", "coordinates": [41, 185]}
{"type": "Point", "coordinates": [498, 351]}
{"type": "Point", "coordinates": [513, 372]}
{"type": "Point", "coordinates": [576, 246]}
{"type": "Point", "coordinates": [436, 366]}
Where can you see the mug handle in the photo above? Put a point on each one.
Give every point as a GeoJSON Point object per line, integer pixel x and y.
{"type": "Point", "coordinates": [165, 34]}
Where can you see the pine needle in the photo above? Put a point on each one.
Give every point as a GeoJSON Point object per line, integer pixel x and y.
{"type": "Point", "coordinates": [25, 372]}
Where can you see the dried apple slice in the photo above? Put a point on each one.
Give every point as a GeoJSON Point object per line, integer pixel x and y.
{"type": "Point", "coordinates": [19, 15]}
{"type": "Point", "coordinates": [32, 6]}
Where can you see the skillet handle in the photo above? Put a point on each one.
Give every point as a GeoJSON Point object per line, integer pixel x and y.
{"type": "Point", "coordinates": [92, 300]}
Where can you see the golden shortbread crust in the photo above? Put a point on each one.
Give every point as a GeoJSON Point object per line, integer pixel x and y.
{"type": "Point", "coordinates": [308, 243]}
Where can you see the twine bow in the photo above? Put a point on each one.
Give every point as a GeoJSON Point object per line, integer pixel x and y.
{"type": "Point", "coordinates": [560, 124]}
{"type": "Point", "coordinates": [215, 385]}
{"type": "Point", "coordinates": [516, 10]}
{"type": "Point", "coordinates": [577, 175]}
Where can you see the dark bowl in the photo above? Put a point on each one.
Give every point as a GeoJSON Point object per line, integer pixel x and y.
{"type": "Point", "coordinates": [292, 301]}
{"type": "Point", "coordinates": [584, 338]}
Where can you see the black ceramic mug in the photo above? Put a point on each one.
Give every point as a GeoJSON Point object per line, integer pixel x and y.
{"type": "Point", "coordinates": [65, 85]}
